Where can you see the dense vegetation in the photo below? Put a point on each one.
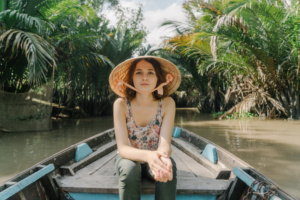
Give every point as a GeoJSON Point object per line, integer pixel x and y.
{"type": "Point", "coordinates": [238, 56]}
{"type": "Point", "coordinates": [71, 39]}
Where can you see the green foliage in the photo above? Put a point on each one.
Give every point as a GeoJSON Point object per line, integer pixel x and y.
{"type": "Point", "coordinates": [253, 46]}
{"type": "Point", "coordinates": [67, 34]}
{"type": "Point", "coordinates": [235, 115]}
{"type": "Point", "coordinates": [217, 114]}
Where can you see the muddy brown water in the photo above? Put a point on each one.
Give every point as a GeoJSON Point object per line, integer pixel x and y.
{"type": "Point", "coordinates": [271, 146]}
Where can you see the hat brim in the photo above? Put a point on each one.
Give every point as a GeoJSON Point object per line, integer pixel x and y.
{"type": "Point", "coordinates": [122, 70]}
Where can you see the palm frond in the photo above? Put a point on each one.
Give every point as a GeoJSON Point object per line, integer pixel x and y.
{"type": "Point", "coordinates": [15, 19]}
{"type": "Point", "coordinates": [39, 53]}
{"type": "Point", "coordinates": [257, 97]}
{"type": "Point", "coordinates": [69, 8]}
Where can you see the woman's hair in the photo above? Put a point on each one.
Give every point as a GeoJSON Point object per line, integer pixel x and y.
{"type": "Point", "coordinates": [160, 73]}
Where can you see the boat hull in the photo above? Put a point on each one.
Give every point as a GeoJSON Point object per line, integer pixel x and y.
{"type": "Point", "coordinates": [188, 146]}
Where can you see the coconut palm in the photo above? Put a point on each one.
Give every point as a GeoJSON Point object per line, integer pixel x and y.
{"type": "Point", "coordinates": [21, 44]}
{"type": "Point", "coordinates": [87, 54]}
{"type": "Point", "coordinates": [255, 39]}
{"type": "Point", "coordinates": [72, 37]}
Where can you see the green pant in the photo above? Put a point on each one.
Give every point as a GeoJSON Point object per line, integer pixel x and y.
{"type": "Point", "coordinates": [130, 174]}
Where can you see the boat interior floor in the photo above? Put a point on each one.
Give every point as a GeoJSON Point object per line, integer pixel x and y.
{"type": "Point", "coordinates": [100, 177]}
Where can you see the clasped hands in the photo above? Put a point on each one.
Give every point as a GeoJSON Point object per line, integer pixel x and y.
{"type": "Point", "coordinates": [160, 165]}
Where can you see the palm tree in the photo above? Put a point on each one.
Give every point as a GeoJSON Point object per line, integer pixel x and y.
{"type": "Point", "coordinates": [22, 45]}
{"type": "Point", "coordinates": [70, 35]}
{"type": "Point", "coordinates": [88, 51]}
{"type": "Point", "coordinates": [253, 39]}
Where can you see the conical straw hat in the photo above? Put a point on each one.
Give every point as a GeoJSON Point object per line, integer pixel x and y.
{"type": "Point", "coordinates": [121, 71]}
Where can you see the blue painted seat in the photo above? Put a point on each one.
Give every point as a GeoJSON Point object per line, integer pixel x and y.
{"type": "Point", "coordinates": [210, 152]}
{"type": "Point", "coordinates": [176, 132]}
{"type": "Point", "coordinates": [82, 151]}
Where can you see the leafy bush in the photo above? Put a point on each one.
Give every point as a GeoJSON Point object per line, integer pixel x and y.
{"type": "Point", "coordinates": [235, 115]}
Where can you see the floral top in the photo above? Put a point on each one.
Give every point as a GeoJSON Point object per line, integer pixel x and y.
{"type": "Point", "coordinates": [144, 137]}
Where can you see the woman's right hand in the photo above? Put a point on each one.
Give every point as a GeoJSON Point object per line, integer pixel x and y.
{"type": "Point", "coordinates": [155, 162]}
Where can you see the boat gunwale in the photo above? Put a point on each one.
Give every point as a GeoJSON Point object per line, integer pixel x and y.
{"type": "Point", "coordinates": [52, 159]}
{"type": "Point", "coordinates": [246, 167]}
{"type": "Point", "coordinates": [104, 138]}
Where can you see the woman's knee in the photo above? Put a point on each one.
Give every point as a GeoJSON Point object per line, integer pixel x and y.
{"type": "Point", "coordinates": [129, 171]}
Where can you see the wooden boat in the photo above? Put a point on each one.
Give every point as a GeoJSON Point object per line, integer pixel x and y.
{"type": "Point", "coordinates": [86, 171]}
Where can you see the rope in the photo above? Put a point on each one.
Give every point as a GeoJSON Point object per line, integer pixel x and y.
{"type": "Point", "coordinates": [271, 191]}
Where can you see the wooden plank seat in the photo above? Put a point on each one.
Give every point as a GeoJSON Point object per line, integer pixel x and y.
{"type": "Point", "coordinates": [218, 170]}
{"type": "Point", "coordinates": [99, 153]}
{"type": "Point", "coordinates": [100, 177]}
{"type": "Point", "coordinates": [110, 184]}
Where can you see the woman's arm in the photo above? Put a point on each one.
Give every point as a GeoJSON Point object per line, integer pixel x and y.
{"type": "Point", "coordinates": [127, 152]}
{"type": "Point", "coordinates": [165, 139]}
{"type": "Point", "coordinates": [167, 126]}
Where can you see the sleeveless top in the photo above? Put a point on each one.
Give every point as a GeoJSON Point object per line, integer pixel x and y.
{"type": "Point", "coordinates": [144, 137]}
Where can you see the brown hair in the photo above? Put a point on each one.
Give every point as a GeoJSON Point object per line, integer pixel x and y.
{"type": "Point", "coordinates": [159, 71]}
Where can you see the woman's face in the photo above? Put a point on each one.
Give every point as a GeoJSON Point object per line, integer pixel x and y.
{"type": "Point", "coordinates": [144, 77]}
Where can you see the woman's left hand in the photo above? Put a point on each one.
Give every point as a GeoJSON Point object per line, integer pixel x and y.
{"type": "Point", "coordinates": [162, 176]}
{"type": "Point", "coordinates": [168, 163]}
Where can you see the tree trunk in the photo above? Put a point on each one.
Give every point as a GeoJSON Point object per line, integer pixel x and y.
{"type": "Point", "coordinates": [227, 95]}
{"type": "Point", "coordinates": [95, 105]}
{"type": "Point", "coordinates": [212, 95]}
{"type": "Point", "coordinates": [297, 97]}
{"type": "Point", "coordinates": [294, 103]}
{"type": "Point", "coordinates": [285, 102]}
{"type": "Point", "coordinates": [292, 100]}
{"type": "Point", "coordinates": [85, 101]}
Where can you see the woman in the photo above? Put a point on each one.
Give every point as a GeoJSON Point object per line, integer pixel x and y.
{"type": "Point", "coordinates": [143, 121]}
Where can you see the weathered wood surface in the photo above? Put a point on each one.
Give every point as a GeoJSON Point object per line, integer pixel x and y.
{"type": "Point", "coordinates": [182, 168]}
{"type": "Point", "coordinates": [93, 167]}
{"type": "Point", "coordinates": [224, 195]}
{"type": "Point", "coordinates": [110, 184]}
{"type": "Point", "coordinates": [102, 151]}
{"type": "Point", "coordinates": [61, 158]}
{"type": "Point", "coordinates": [236, 189]}
{"type": "Point", "coordinates": [97, 196]}
{"type": "Point", "coordinates": [15, 188]}
{"type": "Point", "coordinates": [50, 187]}
{"type": "Point", "coordinates": [186, 166]}
{"type": "Point", "coordinates": [195, 155]}
{"type": "Point", "coordinates": [55, 105]}
{"type": "Point", "coordinates": [227, 158]}
{"type": "Point", "coordinates": [8, 184]}
{"type": "Point", "coordinates": [100, 177]}
{"type": "Point", "coordinates": [105, 166]}
{"type": "Point", "coordinates": [194, 166]}
{"type": "Point", "coordinates": [66, 156]}
{"type": "Point", "coordinates": [34, 191]}
{"type": "Point", "coordinates": [107, 169]}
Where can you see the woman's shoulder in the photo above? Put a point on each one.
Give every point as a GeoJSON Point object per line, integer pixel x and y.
{"type": "Point", "coordinates": [120, 103]}
{"type": "Point", "coordinates": [168, 103]}
{"type": "Point", "coordinates": [168, 100]}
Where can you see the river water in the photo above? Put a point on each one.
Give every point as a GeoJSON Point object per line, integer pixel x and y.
{"type": "Point", "coordinates": [271, 146]}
